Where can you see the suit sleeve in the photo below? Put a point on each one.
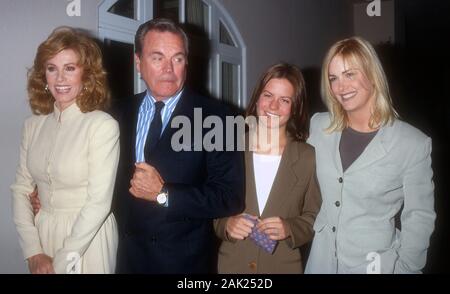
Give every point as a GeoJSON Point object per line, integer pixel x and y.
{"type": "Point", "coordinates": [417, 219]}
{"type": "Point", "coordinates": [22, 210]}
{"type": "Point", "coordinates": [103, 159]}
{"type": "Point", "coordinates": [220, 193]}
{"type": "Point", "coordinates": [220, 229]}
{"type": "Point", "coordinates": [301, 226]}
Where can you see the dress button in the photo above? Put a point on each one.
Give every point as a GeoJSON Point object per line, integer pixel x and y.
{"type": "Point", "coordinates": [337, 203]}
{"type": "Point", "coordinates": [340, 180]}
{"type": "Point", "coordinates": [333, 229]}
{"type": "Point", "coordinates": [252, 265]}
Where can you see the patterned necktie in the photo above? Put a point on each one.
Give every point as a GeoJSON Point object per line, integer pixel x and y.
{"type": "Point", "coordinates": [154, 132]}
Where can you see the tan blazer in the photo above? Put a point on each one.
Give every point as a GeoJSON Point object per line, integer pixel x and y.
{"type": "Point", "coordinates": [295, 197]}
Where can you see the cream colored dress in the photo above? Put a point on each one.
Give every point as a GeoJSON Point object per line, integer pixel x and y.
{"type": "Point", "coordinates": [72, 158]}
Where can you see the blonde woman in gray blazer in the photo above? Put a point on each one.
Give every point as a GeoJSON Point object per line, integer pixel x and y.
{"type": "Point", "coordinates": [370, 167]}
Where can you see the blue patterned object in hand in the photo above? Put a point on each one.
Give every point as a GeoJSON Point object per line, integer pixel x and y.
{"type": "Point", "coordinates": [261, 239]}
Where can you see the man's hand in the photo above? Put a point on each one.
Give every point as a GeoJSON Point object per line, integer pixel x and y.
{"type": "Point", "coordinates": [238, 227]}
{"type": "Point", "coordinates": [41, 264]}
{"type": "Point", "coordinates": [275, 227]}
{"type": "Point", "coordinates": [146, 182]}
{"type": "Point", "coordinates": [34, 200]}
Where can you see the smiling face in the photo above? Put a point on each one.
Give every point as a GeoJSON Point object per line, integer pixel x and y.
{"type": "Point", "coordinates": [350, 86]}
{"type": "Point", "coordinates": [275, 101]}
{"type": "Point", "coordinates": [64, 78]}
{"type": "Point", "coordinates": [162, 63]}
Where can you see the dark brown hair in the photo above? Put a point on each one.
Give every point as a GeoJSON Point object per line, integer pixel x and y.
{"type": "Point", "coordinates": [298, 123]}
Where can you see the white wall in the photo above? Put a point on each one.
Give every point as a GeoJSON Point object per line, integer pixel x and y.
{"type": "Point", "coordinates": [24, 24]}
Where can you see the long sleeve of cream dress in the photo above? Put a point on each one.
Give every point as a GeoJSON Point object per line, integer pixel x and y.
{"type": "Point", "coordinates": [72, 158]}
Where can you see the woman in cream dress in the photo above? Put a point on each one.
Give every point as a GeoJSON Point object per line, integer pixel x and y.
{"type": "Point", "coordinates": [69, 153]}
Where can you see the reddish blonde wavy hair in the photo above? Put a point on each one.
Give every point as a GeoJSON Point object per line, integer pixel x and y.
{"type": "Point", "coordinates": [95, 94]}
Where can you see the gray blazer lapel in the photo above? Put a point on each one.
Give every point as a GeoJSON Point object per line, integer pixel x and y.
{"type": "Point", "coordinates": [375, 151]}
{"type": "Point", "coordinates": [336, 154]}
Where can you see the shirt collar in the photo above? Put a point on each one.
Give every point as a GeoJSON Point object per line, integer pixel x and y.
{"type": "Point", "coordinates": [70, 112]}
{"type": "Point", "coordinates": [150, 99]}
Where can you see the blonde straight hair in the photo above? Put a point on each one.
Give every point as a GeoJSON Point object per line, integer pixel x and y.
{"type": "Point", "coordinates": [360, 54]}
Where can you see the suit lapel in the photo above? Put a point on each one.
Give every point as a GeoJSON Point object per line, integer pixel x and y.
{"type": "Point", "coordinates": [336, 154]}
{"type": "Point", "coordinates": [250, 186]}
{"type": "Point", "coordinates": [184, 107]}
{"type": "Point", "coordinates": [284, 181]}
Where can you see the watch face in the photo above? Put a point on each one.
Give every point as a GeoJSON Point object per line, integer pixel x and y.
{"type": "Point", "coordinates": [161, 198]}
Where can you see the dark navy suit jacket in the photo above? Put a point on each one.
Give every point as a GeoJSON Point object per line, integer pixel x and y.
{"type": "Point", "coordinates": [202, 186]}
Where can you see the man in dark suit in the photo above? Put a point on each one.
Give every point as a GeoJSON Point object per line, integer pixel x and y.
{"type": "Point", "coordinates": [165, 200]}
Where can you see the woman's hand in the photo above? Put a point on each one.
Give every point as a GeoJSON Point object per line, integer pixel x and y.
{"type": "Point", "coordinates": [41, 264]}
{"type": "Point", "coordinates": [238, 227]}
{"type": "Point", "coordinates": [146, 182]}
{"type": "Point", "coordinates": [275, 227]}
{"type": "Point", "coordinates": [35, 201]}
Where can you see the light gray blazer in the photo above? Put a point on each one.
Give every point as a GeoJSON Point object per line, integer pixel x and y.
{"type": "Point", "coordinates": [355, 229]}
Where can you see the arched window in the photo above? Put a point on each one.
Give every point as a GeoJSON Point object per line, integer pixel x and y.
{"type": "Point", "coordinates": [217, 57]}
